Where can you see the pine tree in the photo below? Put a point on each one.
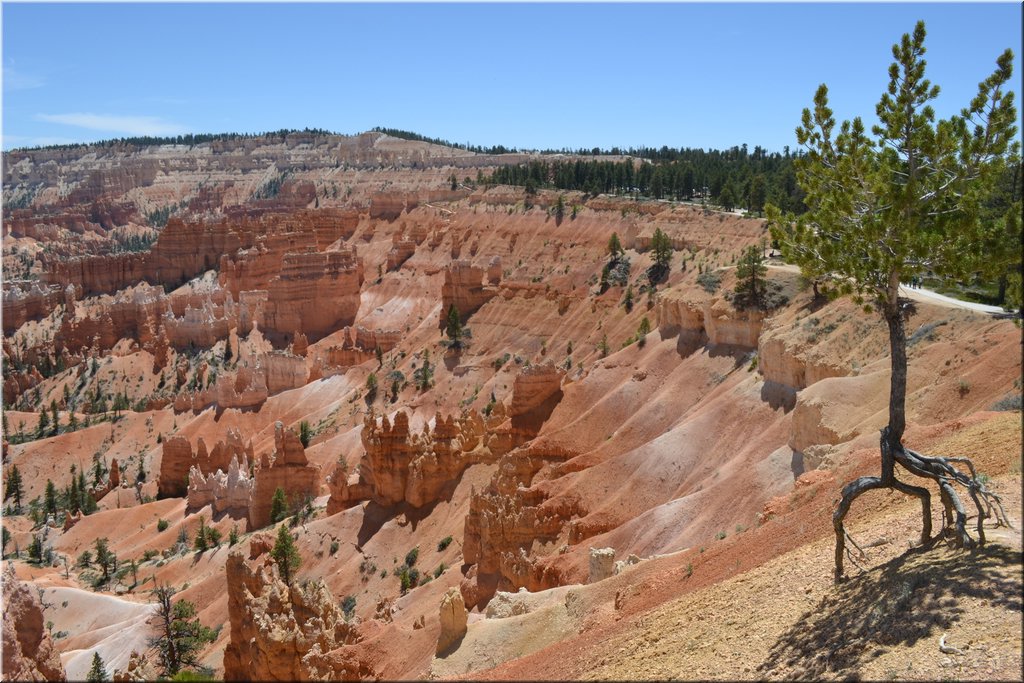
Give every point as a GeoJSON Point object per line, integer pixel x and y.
{"type": "Point", "coordinates": [750, 278]}
{"type": "Point", "coordinates": [200, 540]}
{"type": "Point", "coordinates": [278, 506]}
{"type": "Point", "coordinates": [50, 498]}
{"type": "Point", "coordinates": [727, 198]}
{"type": "Point", "coordinates": [72, 500]}
{"type": "Point", "coordinates": [371, 388]}
{"type": "Point", "coordinates": [14, 488]}
{"type": "Point", "coordinates": [305, 433]}
{"type": "Point", "coordinates": [97, 472]}
{"type": "Point", "coordinates": [182, 635]}
{"type": "Point", "coordinates": [614, 245]}
{"type": "Point", "coordinates": [453, 327]}
{"type": "Point", "coordinates": [643, 331]}
{"type": "Point", "coordinates": [42, 429]}
{"type": "Point", "coordinates": [98, 671]}
{"type": "Point", "coordinates": [886, 207]}
{"type": "Point", "coordinates": [661, 246]}
{"type": "Point", "coordinates": [285, 554]}
{"type": "Point", "coordinates": [35, 549]}
{"type": "Point", "coordinates": [424, 375]}
{"type": "Point", "coordinates": [104, 557]}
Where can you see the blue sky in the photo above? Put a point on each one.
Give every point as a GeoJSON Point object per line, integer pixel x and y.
{"type": "Point", "coordinates": [524, 75]}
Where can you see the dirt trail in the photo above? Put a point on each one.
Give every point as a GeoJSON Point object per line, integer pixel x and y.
{"type": "Point", "coordinates": [919, 294]}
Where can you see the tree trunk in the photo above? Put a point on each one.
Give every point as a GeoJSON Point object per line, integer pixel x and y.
{"type": "Point", "coordinates": [898, 381]}
{"type": "Point", "coordinates": [938, 469]}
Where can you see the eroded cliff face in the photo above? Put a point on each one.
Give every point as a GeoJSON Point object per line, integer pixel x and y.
{"type": "Point", "coordinates": [286, 633]}
{"type": "Point", "coordinates": [28, 651]}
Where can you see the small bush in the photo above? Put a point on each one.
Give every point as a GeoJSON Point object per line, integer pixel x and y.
{"type": "Point", "coordinates": [161, 525]}
{"type": "Point", "coordinates": [412, 556]}
{"type": "Point", "coordinates": [348, 607]}
{"type": "Point", "coordinates": [440, 570]}
{"type": "Point", "coordinates": [444, 543]}
{"type": "Point", "coordinates": [710, 281]}
{"type": "Point", "coordinates": [720, 535]}
{"type": "Point", "coordinates": [926, 331]}
{"type": "Point", "coordinates": [1009, 402]}
{"type": "Point", "coordinates": [334, 547]}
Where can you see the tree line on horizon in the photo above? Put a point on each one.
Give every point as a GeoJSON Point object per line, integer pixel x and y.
{"type": "Point", "coordinates": [732, 178]}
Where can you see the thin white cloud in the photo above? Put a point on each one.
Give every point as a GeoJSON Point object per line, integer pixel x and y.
{"type": "Point", "coordinates": [18, 80]}
{"type": "Point", "coordinates": [125, 125]}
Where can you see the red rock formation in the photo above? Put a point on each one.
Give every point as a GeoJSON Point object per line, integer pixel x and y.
{"type": "Point", "coordinates": [133, 313]}
{"type": "Point", "coordinates": [283, 371]}
{"type": "Point", "coordinates": [535, 393]}
{"type": "Point", "coordinates": [28, 301]}
{"type": "Point", "coordinates": [286, 633]}
{"type": "Point", "coordinates": [402, 248]}
{"type": "Point", "coordinates": [178, 459]}
{"type": "Point", "coordinates": [398, 466]}
{"type": "Point", "coordinates": [358, 346]}
{"type": "Point", "coordinates": [245, 387]}
{"type": "Point", "coordinates": [316, 293]}
{"type": "Point", "coordinates": [300, 345]}
{"type": "Point", "coordinates": [387, 205]}
{"type": "Point", "coordinates": [17, 383]}
{"type": "Point", "coordinates": [505, 521]}
{"type": "Point", "coordinates": [28, 651]}
{"type": "Point", "coordinates": [115, 474]}
{"type": "Point", "coordinates": [227, 492]}
{"type": "Point", "coordinates": [286, 468]}
{"type": "Point", "coordinates": [454, 620]}
{"type": "Point", "coordinates": [186, 249]}
{"type": "Point", "coordinates": [463, 286]}
{"type": "Point", "coordinates": [369, 340]}
{"type": "Point", "coordinates": [700, 318]}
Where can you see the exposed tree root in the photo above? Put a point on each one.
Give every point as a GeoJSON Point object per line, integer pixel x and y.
{"type": "Point", "coordinates": [943, 472]}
